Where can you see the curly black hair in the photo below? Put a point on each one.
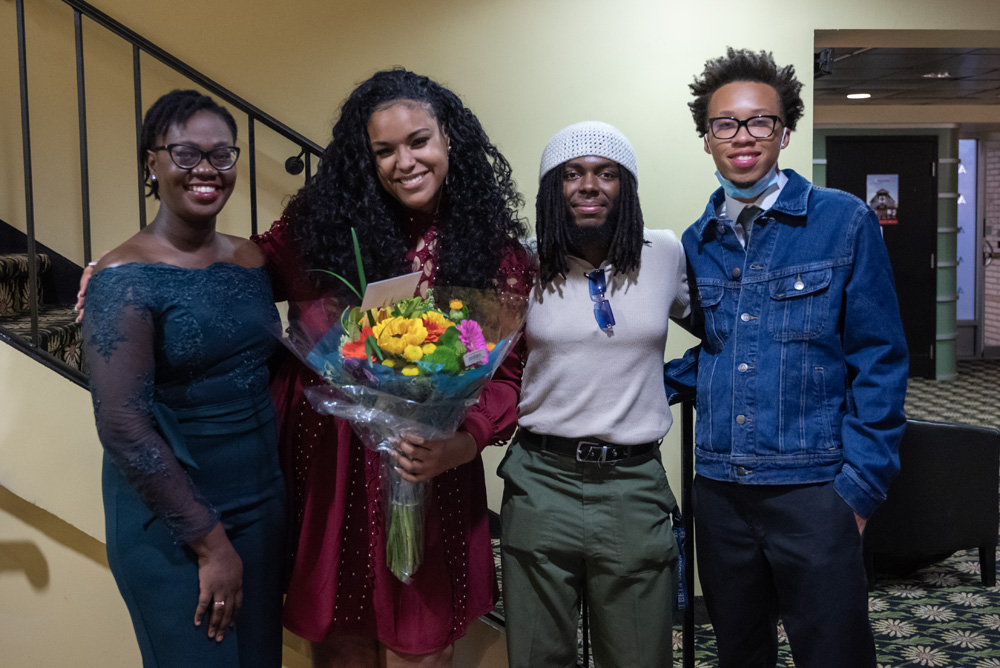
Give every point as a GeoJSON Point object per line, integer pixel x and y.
{"type": "Point", "coordinates": [745, 65]}
{"type": "Point", "coordinates": [553, 220]}
{"type": "Point", "coordinates": [477, 220]}
{"type": "Point", "coordinates": [175, 108]}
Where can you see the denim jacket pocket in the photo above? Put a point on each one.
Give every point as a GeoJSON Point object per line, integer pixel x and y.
{"type": "Point", "coordinates": [717, 324]}
{"type": "Point", "coordinates": [799, 304]}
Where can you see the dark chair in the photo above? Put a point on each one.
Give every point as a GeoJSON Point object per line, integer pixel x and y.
{"type": "Point", "coordinates": [945, 499]}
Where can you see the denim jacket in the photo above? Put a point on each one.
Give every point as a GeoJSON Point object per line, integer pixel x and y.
{"type": "Point", "coordinates": [802, 370]}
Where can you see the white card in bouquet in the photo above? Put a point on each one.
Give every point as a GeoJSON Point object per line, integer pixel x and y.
{"type": "Point", "coordinates": [385, 293]}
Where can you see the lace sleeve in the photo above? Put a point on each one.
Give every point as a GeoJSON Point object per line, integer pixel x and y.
{"type": "Point", "coordinates": [119, 335]}
{"type": "Point", "coordinates": [492, 420]}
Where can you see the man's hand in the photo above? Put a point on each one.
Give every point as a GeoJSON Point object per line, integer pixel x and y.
{"type": "Point", "coordinates": [420, 460]}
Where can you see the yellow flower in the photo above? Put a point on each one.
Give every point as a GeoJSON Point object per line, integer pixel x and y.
{"type": "Point", "coordinates": [389, 362]}
{"type": "Point", "coordinates": [410, 370]}
{"type": "Point", "coordinates": [394, 334]}
{"type": "Point", "coordinates": [428, 348]}
{"type": "Point", "coordinates": [455, 304]}
{"type": "Point", "coordinates": [437, 318]}
{"type": "Point", "coordinates": [413, 353]}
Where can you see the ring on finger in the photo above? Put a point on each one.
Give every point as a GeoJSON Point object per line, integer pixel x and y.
{"type": "Point", "coordinates": [219, 603]}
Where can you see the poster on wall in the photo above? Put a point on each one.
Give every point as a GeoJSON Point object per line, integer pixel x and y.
{"type": "Point", "coordinates": [883, 197]}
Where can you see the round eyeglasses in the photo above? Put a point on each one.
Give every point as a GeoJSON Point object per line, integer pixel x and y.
{"type": "Point", "coordinates": [759, 127]}
{"type": "Point", "coordinates": [189, 157]}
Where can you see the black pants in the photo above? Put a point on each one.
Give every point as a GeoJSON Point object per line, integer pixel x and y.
{"type": "Point", "coordinates": [788, 551]}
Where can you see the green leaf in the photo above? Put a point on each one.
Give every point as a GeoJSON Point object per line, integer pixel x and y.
{"type": "Point", "coordinates": [357, 259]}
{"type": "Point", "coordinates": [372, 349]}
{"type": "Point", "coordinates": [345, 281]}
{"type": "Point", "coordinates": [411, 307]}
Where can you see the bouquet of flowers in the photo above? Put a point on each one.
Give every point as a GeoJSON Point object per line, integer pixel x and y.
{"type": "Point", "coordinates": [408, 365]}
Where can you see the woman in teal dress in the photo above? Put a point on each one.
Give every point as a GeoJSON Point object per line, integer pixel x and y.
{"type": "Point", "coordinates": [177, 333]}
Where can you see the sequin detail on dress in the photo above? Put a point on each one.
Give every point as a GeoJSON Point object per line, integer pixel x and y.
{"type": "Point", "coordinates": [340, 585]}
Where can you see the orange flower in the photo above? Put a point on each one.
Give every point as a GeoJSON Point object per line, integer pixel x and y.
{"type": "Point", "coordinates": [357, 348]}
{"type": "Point", "coordinates": [435, 323]}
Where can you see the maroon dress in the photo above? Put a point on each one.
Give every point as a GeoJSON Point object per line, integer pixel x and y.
{"type": "Point", "coordinates": [340, 585]}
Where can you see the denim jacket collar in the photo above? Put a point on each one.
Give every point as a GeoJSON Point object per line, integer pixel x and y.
{"type": "Point", "coordinates": [793, 201]}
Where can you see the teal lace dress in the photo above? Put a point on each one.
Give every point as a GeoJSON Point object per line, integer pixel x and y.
{"type": "Point", "coordinates": [180, 388]}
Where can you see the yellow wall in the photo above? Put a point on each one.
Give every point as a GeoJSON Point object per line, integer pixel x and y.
{"type": "Point", "coordinates": [527, 67]}
{"type": "Point", "coordinates": [58, 597]}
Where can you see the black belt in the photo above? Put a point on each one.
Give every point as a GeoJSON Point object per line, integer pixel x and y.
{"type": "Point", "coordinates": [587, 450]}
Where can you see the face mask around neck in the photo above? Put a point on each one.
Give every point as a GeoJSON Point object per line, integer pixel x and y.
{"type": "Point", "coordinates": [752, 192]}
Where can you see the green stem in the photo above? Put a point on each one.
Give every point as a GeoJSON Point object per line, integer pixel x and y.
{"type": "Point", "coordinates": [357, 259]}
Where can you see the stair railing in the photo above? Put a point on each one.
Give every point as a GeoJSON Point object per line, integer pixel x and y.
{"type": "Point", "coordinates": [306, 147]}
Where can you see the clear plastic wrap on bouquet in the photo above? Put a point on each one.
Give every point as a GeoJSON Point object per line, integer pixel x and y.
{"type": "Point", "coordinates": [426, 397]}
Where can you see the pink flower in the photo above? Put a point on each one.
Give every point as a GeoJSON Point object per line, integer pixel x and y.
{"type": "Point", "coordinates": [471, 336]}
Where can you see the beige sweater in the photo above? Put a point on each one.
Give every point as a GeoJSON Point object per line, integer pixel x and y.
{"type": "Point", "coordinates": [580, 381]}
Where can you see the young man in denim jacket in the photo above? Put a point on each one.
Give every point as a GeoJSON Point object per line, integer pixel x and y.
{"type": "Point", "coordinates": [801, 380]}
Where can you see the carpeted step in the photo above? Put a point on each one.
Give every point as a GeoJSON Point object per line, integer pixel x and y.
{"type": "Point", "coordinates": [58, 333]}
{"type": "Point", "coordinates": [14, 294]}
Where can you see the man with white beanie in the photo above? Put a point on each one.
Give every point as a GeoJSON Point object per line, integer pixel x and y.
{"type": "Point", "coordinates": [586, 505]}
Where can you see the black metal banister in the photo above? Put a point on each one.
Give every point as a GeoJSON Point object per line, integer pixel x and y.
{"type": "Point", "coordinates": [194, 75]}
{"type": "Point", "coordinates": [29, 196]}
{"type": "Point", "coordinates": [687, 479]}
{"type": "Point", "coordinates": [81, 104]}
{"type": "Point", "coordinates": [252, 145]}
{"type": "Point", "coordinates": [31, 341]}
{"type": "Point", "coordinates": [137, 105]}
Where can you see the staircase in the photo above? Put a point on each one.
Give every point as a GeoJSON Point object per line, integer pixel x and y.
{"type": "Point", "coordinates": [58, 333]}
{"type": "Point", "coordinates": [54, 338]}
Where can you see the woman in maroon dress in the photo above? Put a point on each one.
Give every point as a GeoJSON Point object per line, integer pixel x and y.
{"type": "Point", "coordinates": [413, 172]}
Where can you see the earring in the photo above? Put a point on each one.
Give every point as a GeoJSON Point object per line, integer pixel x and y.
{"type": "Point", "coordinates": [152, 177]}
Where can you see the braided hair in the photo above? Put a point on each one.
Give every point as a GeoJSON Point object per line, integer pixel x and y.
{"type": "Point", "coordinates": [478, 214]}
{"type": "Point", "coordinates": [175, 108]}
{"type": "Point", "coordinates": [553, 220]}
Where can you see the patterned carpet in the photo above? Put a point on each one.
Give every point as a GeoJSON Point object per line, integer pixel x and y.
{"type": "Point", "coordinates": [58, 333]}
{"type": "Point", "coordinates": [972, 398]}
{"type": "Point", "coordinates": [940, 615]}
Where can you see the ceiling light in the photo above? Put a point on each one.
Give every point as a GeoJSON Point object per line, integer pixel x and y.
{"type": "Point", "coordinates": [937, 75]}
{"type": "Point", "coordinates": [859, 96]}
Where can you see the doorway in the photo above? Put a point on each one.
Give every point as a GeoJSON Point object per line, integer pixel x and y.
{"type": "Point", "coordinates": [896, 177]}
{"type": "Point", "coordinates": [931, 81]}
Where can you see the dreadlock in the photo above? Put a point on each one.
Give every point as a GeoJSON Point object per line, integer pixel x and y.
{"type": "Point", "coordinates": [175, 108]}
{"type": "Point", "coordinates": [553, 218]}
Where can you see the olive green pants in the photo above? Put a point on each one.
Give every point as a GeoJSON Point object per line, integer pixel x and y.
{"type": "Point", "coordinates": [570, 528]}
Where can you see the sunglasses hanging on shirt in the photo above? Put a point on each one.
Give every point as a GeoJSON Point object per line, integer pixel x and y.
{"type": "Point", "coordinates": [602, 307]}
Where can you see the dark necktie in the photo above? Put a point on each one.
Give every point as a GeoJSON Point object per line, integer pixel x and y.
{"type": "Point", "coordinates": [745, 219]}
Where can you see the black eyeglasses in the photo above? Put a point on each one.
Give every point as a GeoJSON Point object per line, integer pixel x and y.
{"type": "Point", "coordinates": [189, 157]}
{"type": "Point", "coordinates": [602, 307]}
{"type": "Point", "coordinates": [759, 127]}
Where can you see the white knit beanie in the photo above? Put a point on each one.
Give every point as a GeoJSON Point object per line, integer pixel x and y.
{"type": "Point", "coordinates": [588, 138]}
